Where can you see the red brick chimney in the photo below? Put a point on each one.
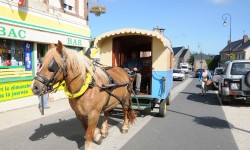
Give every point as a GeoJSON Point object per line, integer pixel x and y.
{"type": "Point", "coordinates": [245, 38]}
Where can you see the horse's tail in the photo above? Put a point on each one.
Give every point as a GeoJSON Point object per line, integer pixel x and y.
{"type": "Point", "coordinates": [131, 114]}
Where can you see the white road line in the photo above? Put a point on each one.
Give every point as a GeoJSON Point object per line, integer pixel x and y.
{"type": "Point", "coordinates": [179, 88]}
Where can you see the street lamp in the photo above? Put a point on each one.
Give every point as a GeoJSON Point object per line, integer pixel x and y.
{"type": "Point", "coordinates": [225, 17]}
{"type": "Point", "coordinates": [200, 46]}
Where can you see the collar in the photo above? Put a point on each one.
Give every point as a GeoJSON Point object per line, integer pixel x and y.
{"type": "Point", "coordinates": [82, 90]}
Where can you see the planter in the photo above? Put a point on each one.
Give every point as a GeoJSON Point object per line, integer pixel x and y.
{"type": "Point", "coordinates": [97, 10]}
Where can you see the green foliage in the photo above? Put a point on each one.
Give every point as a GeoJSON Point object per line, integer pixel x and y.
{"type": "Point", "coordinates": [233, 57]}
{"type": "Point", "coordinates": [212, 63]}
{"type": "Point", "coordinates": [191, 59]}
{"type": "Point", "coordinates": [209, 63]}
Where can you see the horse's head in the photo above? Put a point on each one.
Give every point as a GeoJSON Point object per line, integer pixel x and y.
{"type": "Point", "coordinates": [53, 70]}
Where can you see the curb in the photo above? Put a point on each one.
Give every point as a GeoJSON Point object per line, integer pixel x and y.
{"type": "Point", "coordinates": [28, 101]}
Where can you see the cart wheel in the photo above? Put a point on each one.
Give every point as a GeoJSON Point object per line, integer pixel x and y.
{"type": "Point", "coordinates": [168, 99]}
{"type": "Point", "coordinates": [163, 108]}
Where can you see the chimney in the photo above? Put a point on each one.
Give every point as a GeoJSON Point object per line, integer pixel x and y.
{"type": "Point", "coordinates": [245, 38]}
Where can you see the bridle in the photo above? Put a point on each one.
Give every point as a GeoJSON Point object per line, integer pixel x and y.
{"type": "Point", "coordinates": [57, 70]}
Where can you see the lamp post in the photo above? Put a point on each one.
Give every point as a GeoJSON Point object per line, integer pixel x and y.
{"type": "Point", "coordinates": [200, 46]}
{"type": "Point", "coordinates": [225, 17]}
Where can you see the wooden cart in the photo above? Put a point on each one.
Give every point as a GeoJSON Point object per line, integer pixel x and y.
{"type": "Point", "coordinates": [156, 53]}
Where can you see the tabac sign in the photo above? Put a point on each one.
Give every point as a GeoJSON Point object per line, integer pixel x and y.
{"type": "Point", "coordinates": [32, 35]}
{"type": "Point", "coordinates": [11, 32]}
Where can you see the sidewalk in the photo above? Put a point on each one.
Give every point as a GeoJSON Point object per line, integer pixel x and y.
{"type": "Point", "coordinates": [19, 111]}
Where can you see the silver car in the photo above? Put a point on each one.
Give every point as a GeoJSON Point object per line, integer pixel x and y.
{"type": "Point", "coordinates": [179, 74]}
{"type": "Point", "coordinates": [216, 75]}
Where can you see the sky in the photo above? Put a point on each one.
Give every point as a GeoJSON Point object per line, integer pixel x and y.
{"type": "Point", "coordinates": [187, 23]}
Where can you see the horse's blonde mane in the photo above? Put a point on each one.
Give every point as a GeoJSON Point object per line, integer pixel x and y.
{"type": "Point", "coordinates": [79, 63]}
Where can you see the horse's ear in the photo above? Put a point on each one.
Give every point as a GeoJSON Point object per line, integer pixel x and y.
{"type": "Point", "coordinates": [59, 47]}
{"type": "Point", "coordinates": [52, 46]}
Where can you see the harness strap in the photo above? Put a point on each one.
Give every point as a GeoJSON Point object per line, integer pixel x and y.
{"type": "Point", "coordinates": [119, 99]}
{"type": "Point", "coordinates": [110, 89]}
{"type": "Point", "coordinates": [41, 78]}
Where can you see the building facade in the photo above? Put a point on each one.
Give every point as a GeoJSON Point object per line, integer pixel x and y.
{"type": "Point", "coordinates": [239, 50]}
{"type": "Point", "coordinates": [27, 27]}
{"type": "Point", "coordinates": [181, 55]}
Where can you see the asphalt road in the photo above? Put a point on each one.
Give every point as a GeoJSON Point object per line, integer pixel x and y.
{"type": "Point", "coordinates": [193, 122]}
{"type": "Point", "coordinates": [177, 82]}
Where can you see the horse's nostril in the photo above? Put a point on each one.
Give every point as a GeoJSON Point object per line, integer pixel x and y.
{"type": "Point", "coordinates": [35, 87]}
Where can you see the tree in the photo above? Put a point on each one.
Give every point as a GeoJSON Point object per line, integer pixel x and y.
{"type": "Point", "coordinates": [232, 57]}
{"type": "Point", "coordinates": [212, 63]}
{"type": "Point", "coordinates": [191, 60]}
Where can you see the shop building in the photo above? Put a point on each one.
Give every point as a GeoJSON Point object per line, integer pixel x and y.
{"type": "Point", "coordinates": [27, 27]}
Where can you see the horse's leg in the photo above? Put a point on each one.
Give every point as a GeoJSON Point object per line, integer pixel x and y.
{"type": "Point", "coordinates": [83, 120]}
{"type": "Point", "coordinates": [92, 132]}
{"type": "Point", "coordinates": [129, 114]}
{"type": "Point", "coordinates": [104, 129]}
{"type": "Point", "coordinates": [125, 125]}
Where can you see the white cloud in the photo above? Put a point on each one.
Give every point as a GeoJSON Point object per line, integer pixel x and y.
{"type": "Point", "coordinates": [219, 1]}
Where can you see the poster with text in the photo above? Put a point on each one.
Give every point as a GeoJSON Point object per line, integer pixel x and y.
{"type": "Point", "coordinates": [27, 56]}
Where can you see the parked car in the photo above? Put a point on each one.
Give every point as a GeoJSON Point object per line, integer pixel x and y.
{"type": "Point", "coordinates": [216, 75]}
{"type": "Point", "coordinates": [235, 81]}
{"type": "Point", "coordinates": [198, 71]}
{"type": "Point", "coordinates": [178, 74]}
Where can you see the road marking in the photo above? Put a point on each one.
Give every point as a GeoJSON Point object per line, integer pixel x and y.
{"type": "Point", "coordinates": [179, 88]}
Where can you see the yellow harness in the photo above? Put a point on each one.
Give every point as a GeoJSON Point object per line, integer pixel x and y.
{"type": "Point", "coordinates": [88, 80]}
{"type": "Point", "coordinates": [82, 90]}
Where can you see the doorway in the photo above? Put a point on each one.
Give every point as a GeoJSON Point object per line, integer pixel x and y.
{"type": "Point", "coordinates": [142, 45]}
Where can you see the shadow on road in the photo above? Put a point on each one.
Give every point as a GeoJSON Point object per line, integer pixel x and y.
{"type": "Point", "coordinates": [209, 98]}
{"type": "Point", "coordinates": [209, 87]}
{"type": "Point", "coordinates": [239, 103]}
{"type": "Point", "coordinates": [198, 86]}
{"type": "Point", "coordinates": [70, 129]}
{"type": "Point", "coordinates": [212, 122]}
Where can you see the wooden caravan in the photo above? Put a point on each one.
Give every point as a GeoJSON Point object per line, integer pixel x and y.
{"type": "Point", "coordinates": [154, 50]}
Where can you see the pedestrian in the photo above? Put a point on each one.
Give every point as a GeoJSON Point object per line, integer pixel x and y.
{"type": "Point", "coordinates": [204, 76]}
{"type": "Point", "coordinates": [46, 95]}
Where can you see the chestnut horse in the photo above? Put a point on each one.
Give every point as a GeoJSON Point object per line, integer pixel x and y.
{"type": "Point", "coordinates": [62, 64]}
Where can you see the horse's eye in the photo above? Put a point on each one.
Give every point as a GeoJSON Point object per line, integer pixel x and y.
{"type": "Point", "coordinates": [53, 66]}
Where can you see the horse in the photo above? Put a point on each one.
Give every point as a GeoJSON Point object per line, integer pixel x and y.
{"type": "Point", "coordinates": [76, 70]}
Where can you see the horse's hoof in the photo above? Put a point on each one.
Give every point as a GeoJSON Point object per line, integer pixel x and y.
{"type": "Point", "coordinates": [97, 131]}
{"type": "Point", "coordinates": [104, 135]}
{"type": "Point", "coordinates": [124, 131]}
{"type": "Point", "coordinates": [98, 139]}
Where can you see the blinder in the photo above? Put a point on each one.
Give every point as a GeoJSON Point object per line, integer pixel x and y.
{"type": "Point", "coordinates": [53, 66]}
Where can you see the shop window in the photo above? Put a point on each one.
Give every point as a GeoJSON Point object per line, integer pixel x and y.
{"type": "Point", "coordinates": [11, 52]}
{"type": "Point", "coordinates": [41, 50]}
{"type": "Point", "coordinates": [15, 60]}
